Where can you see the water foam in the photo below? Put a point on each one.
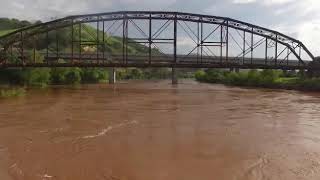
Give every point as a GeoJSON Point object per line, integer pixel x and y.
{"type": "Point", "coordinates": [109, 128]}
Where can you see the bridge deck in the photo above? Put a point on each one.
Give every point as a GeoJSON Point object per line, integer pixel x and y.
{"type": "Point", "coordinates": [97, 60]}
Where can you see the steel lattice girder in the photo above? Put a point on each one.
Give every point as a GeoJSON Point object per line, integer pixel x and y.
{"type": "Point", "coordinates": [289, 42]}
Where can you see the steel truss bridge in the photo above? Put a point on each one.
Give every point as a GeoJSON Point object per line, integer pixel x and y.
{"type": "Point", "coordinates": [165, 39]}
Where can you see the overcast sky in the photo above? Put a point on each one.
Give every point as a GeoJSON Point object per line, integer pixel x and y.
{"type": "Point", "coordinates": [297, 18]}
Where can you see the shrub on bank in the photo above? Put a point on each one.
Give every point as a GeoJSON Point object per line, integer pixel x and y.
{"type": "Point", "coordinates": [73, 76]}
{"type": "Point", "coordinates": [253, 77]}
{"type": "Point", "coordinates": [310, 84]}
{"type": "Point", "coordinates": [65, 75]}
{"type": "Point", "coordinates": [94, 75]}
{"type": "Point", "coordinates": [45, 76]}
{"type": "Point", "coordinates": [130, 73]}
{"type": "Point", "coordinates": [200, 76]}
{"type": "Point", "coordinates": [214, 76]}
{"type": "Point", "coordinates": [234, 78]}
{"type": "Point", "coordinates": [37, 77]}
{"type": "Point", "coordinates": [4, 93]}
{"type": "Point", "coordinates": [264, 78]}
{"type": "Point", "coordinates": [23, 76]}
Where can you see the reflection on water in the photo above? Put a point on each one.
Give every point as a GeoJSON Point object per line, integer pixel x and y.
{"type": "Point", "coordinates": [156, 131]}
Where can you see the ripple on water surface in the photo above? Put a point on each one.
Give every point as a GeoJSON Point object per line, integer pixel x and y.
{"type": "Point", "coordinates": [152, 130]}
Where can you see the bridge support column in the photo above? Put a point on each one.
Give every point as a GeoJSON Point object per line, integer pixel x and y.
{"type": "Point", "coordinates": [112, 75]}
{"type": "Point", "coordinates": [174, 76]}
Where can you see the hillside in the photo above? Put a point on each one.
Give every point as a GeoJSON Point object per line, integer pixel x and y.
{"type": "Point", "coordinates": [4, 32]}
{"type": "Point", "coordinates": [113, 44]}
{"type": "Point", "coordinates": [8, 25]}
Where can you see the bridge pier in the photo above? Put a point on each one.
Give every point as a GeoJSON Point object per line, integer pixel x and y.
{"type": "Point", "coordinates": [112, 75]}
{"type": "Point", "coordinates": [174, 76]}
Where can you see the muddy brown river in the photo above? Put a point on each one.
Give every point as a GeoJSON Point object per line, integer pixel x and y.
{"type": "Point", "coordinates": [152, 130]}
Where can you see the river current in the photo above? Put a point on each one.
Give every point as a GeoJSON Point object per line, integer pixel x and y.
{"type": "Point", "coordinates": [152, 130]}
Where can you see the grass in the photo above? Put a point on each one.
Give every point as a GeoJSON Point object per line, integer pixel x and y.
{"type": "Point", "coordinates": [16, 92]}
{"type": "Point", "coordinates": [4, 32]}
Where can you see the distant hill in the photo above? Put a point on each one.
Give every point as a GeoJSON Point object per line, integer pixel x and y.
{"type": "Point", "coordinates": [8, 25]}
{"type": "Point", "coordinates": [88, 33]}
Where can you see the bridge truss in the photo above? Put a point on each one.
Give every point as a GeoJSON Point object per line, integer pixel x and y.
{"type": "Point", "coordinates": [161, 39]}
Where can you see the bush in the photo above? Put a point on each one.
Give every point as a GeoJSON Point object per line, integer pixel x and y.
{"type": "Point", "coordinates": [94, 75]}
{"type": "Point", "coordinates": [73, 76]}
{"type": "Point", "coordinates": [269, 77]}
{"type": "Point", "coordinates": [253, 77]}
{"type": "Point", "coordinates": [131, 73]}
{"type": "Point", "coordinates": [157, 73]}
{"type": "Point", "coordinates": [12, 76]}
{"type": "Point", "coordinates": [136, 73]}
{"type": "Point", "coordinates": [265, 78]}
{"type": "Point", "coordinates": [214, 76]}
{"type": "Point", "coordinates": [200, 76]}
{"type": "Point", "coordinates": [26, 76]}
{"type": "Point", "coordinates": [310, 84]}
{"type": "Point", "coordinates": [37, 77]}
{"type": "Point", "coordinates": [66, 75]}
{"type": "Point", "coordinates": [4, 93]}
{"type": "Point", "coordinates": [234, 78]}
{"type": "Point", "coordinates": [58, 75]}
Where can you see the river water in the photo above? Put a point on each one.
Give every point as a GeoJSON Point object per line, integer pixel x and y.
{"type": "Point", "coordinates": [152, 130]}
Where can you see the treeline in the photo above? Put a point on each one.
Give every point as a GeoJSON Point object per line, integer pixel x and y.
{"type": "Point", "coordinates": [64, 76]}
{"type": "Point", "coordinates": [47, 76]}
{"type": "Point", "coordinates": [112, 44]}
{"type": "Point", "coordinates": [260, 78]}
{"type": "Point", "coordinates": [7, 24]}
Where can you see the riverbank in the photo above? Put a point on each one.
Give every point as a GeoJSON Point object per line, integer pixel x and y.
{"type": "Point", "coordinates": [14, 82]}
{"type": "Point", "coordinates": [12, 92]}
{"type": "Point", "coordinates": [44, 77]}
{"type": "Point", "coordinates": [273, 79]}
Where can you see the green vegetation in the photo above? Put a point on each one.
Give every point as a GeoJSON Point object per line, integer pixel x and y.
{"type": "Point", "coordinates": [89, 34]}
{"type": "Point", "coordinates": [136, 73]}
{"type": "Point", "coordinates": [152, 73]}
{"type": "Point", "coordinates": [42, 77]}
{"type": "Point", "coordinates": [6, 23]}
{"type": "Point", "coordinates": [46, 76]}
{"type": "Point", "coordinates": [255, 78]}
{"type": "Point", "coordinates": [4, 32]}
{"type": "Point", "coordinates": [16, 92]}
{"type": "Point", "coordinates": [9, 25]}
